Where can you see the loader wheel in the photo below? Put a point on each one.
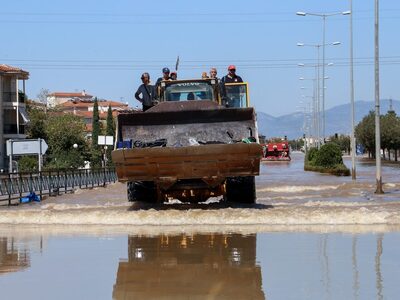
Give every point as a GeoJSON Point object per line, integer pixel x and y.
{"type": "Point", "coordinates": [144, 191]}
{"type": "Point", "coordinates": [241, 190]}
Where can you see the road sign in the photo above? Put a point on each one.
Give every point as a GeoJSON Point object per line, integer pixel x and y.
{"type": "Point", "coordinates": [26, 147]}
{"type": "Point", "coordinates": [22, 147]}
{"type": "Point", "coordinates": [105, 140]}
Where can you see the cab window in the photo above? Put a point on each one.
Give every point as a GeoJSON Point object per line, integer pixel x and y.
{"type": "Point", "coordinates": [187, 91]}
{"type": "Point", "coordinates": [236, 95]}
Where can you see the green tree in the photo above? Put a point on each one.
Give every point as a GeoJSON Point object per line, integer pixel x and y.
{"type": "Point", "coordinates": [95, 161]}
{"type": "Point", "coordinates": [343, 141]}
{"type": "Point", "coordinates": [110, 131]}
{"type": "Point", "coordinates": [365, 133]}
{"type": "Point", "coordinates": [63, 131]}
{"type": "Point", "coordinates": [36, 128]}
{"type": "Point", "coordinates": [390, 132]}
{"type": "Point", "coordinates": [42, 97]}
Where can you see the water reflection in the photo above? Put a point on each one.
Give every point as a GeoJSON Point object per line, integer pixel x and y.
{"type": "Point", "coordinates": [326, 272]}
{"type": "Point", "coordinates": [198, 266]}
{"type": "Point", "coordinates": [325, 266]}
{"type": "Point", "coordinates": [379, 280]}
{"type": "Point", "coordinates": [12, 258]}
{"type": "Point", "coordinates": [356, 273]}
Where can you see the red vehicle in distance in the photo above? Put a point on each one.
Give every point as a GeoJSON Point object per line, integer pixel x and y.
{"type": "Point", "coordinates": [276, 151]}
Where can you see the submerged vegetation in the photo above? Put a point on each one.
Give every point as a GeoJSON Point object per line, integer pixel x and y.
{"type": "Point", "coordinates": [328, 159]}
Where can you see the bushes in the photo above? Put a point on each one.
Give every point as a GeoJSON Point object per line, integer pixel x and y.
{"type": "Point", "coordinates": [311, 154]}
{"type": "Point", "coordinates": [28, 164]}
{"type": "Point", "coordinates": [328, 159]}
{"type": "Point", "coordinates": [329, 156]}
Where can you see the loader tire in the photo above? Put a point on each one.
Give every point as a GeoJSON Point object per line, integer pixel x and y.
{"type": "Point", "coordinates": [143, 191]}
{"type": "Point", "coordinates": [241, 190]}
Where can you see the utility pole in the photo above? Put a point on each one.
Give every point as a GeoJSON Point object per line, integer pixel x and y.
{"type": "Point", "coordinates": [323, 79]}
{"type": "Point", "coordinates": [352, 137]}
{"type": "Point", "coordinates": [377, 105]}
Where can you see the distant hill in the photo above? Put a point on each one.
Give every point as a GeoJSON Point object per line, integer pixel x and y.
{"type": "Point", "coordinates": [337, 119]}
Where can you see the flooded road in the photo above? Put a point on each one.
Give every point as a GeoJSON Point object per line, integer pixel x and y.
{"type": "Point", "coordinates": [185, 263]}
{"type": "Point", "coordinates": [310, 236]}
{"type": "Point", "coordinates": [286, 195]}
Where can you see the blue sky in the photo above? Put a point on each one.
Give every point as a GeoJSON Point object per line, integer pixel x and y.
{"type": "Point", "coordinates": [103, 46]}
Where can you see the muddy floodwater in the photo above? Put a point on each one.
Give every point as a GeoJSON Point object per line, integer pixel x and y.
{"type": "Point", "coordinates": [310, 236]}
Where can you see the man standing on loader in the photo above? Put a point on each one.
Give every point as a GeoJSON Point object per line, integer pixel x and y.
{"type": "Point", "coordinates": [213, 73]}
{"type": "Point", "coordinates": [146, 93]}
{"type": "Point", "coordinates": [166, 76]}
{"type": "Point", "coordinates": [231, 77]}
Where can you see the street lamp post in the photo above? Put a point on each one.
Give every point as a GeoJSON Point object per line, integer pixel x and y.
{"type": "Point", "coordinates": [377, 105]}
{"type": "Point", "coordinates": [352, 136]}
{"type": "Point", "coordinates": [318, 87]}
{"type": "Point", "coordinates": [304, 108]}
{"type": "Point", "coordinates": [314, 110]}
{"type": "Point", "coordinates": [323, 16]}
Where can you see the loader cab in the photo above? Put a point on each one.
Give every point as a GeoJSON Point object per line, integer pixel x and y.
{"type": "Point", "coordinates": [189, 90]}
{"type": "Point", "coordinates": [236, 95]}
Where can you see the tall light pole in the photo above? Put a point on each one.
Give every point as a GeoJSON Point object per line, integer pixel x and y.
{"type": "Point", "coordinates": [318, 46]}
{"type": "Point", "coordinates": [377, 110]}
{"type": "Point", "coordinates": [323, 16]}
{"type": "Point", "coordinates": [352, 136]}
{"type": "Point", "coordinates": [310, 123]}
{"type": "Point", "coordinates": [304, 108]}
{"type": "Point", "coordinates": [314, 110]}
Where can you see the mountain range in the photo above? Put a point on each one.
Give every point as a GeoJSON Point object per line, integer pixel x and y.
{"type": "Point", "coordinates": [337, 119]}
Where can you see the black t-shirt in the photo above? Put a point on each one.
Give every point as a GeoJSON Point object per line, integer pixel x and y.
{"type": "Point", "coordinates": [229, 79]}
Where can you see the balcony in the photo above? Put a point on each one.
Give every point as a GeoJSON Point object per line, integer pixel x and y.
{"type": "Point", "coordinates": [12, 97]}
{"type": "Point", "coordinates": [11, 129]}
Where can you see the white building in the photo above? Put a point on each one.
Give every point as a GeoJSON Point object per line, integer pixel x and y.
{"type": "Point", "coordinates": [58, 98]}
{"type": "Point", "coordinates": [13, 116]}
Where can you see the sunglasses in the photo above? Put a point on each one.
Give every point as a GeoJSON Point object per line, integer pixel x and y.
{"type": "Point", "coordinates": [233, 70]}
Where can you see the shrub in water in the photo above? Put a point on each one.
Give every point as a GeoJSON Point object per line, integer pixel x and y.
{"type": "Point", "coordinates": [328, 156]}
{"type": "Point", "coordinates": [311, 154]}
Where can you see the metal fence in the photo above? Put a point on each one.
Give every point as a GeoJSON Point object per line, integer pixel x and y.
{"type": "Point", "coordinates": [16, 185]}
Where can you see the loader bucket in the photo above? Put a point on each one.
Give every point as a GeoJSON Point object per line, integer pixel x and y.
{"type": "Point", "coordinates": [177, 122]}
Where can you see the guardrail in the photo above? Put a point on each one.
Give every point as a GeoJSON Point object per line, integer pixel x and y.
{"type": "Point", "coordinates": [15, 185]}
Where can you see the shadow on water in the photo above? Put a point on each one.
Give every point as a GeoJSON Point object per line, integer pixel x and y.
{"type": "Point", "coordinates": [136, 206]}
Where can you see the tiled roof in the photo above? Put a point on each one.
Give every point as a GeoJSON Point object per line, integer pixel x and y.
{"type": "Point", "coordinates": [90, 104]}
{"type": "Point", "coordinates": [89, 114]}
{"type": "Point", "coordinates": [112, 103]}
{"type": "Point", "coordinates": [9, 69]}
{"type": "Point", "coordinates": [72, 95]}
{"type": "Point", "coordinates": [76, 104]}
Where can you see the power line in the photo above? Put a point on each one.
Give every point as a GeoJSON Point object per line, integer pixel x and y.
{"type": "Point", "coordinates": [207, 61]}
{"type": "Point", "coordinates": [224, 13]}
{"type": "Point", "coordinates": [186, 67]}
{"type": "Point", "coordinates": [189, 20]}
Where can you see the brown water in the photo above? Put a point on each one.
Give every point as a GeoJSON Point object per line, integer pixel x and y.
{"type": "Point", "coordinates": [310, 236]}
